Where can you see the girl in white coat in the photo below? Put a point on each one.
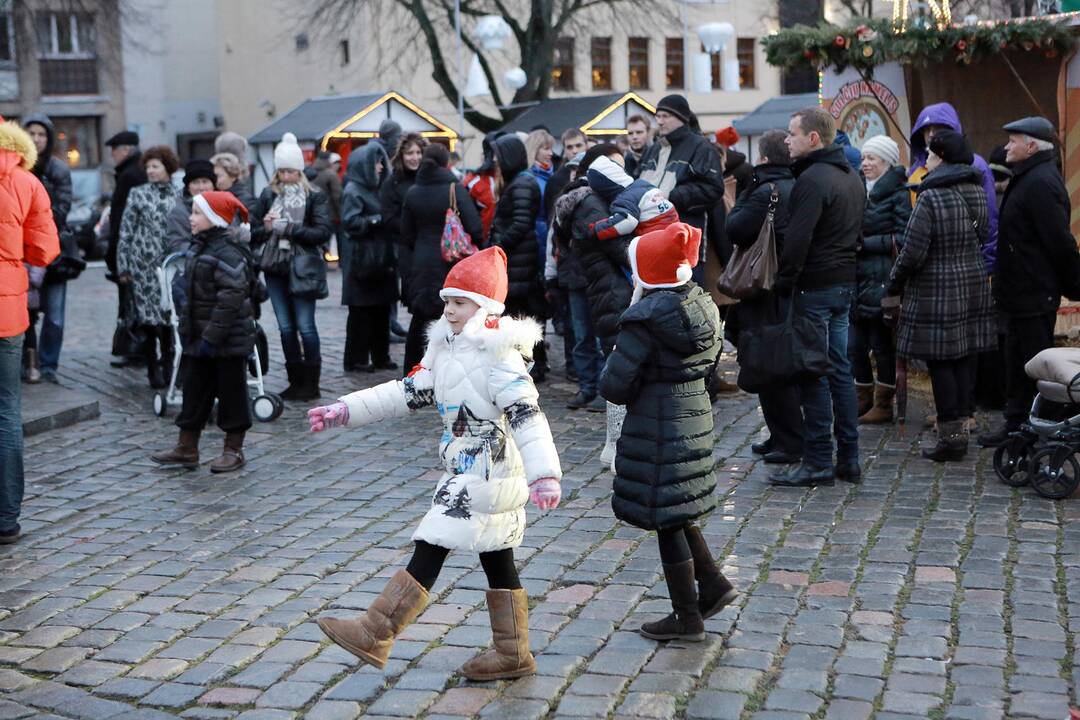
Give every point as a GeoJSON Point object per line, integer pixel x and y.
{"type": "Point", "coordinates": [497, 452]}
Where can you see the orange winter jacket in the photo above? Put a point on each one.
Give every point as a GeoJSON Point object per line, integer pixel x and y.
{"type": "Point", "coordinates": [27, 231]}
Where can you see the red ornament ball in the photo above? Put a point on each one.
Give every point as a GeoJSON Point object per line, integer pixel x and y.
{"type": "Point", "coordinates": [841, 41]}
{"type": "Point", "coordinates": [961, 45]}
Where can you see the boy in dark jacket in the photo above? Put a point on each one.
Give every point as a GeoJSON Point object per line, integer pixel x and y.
{"type": "Point", "coordinates": [637, 206]}
{"type": "Point", "coordinates": [218, 333]}
{"type": "Point", "coordinates": [667, 346]}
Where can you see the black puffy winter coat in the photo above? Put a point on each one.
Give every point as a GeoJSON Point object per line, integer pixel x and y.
{"type": "Point", "coordinates": [314, 231]}
{"type": "Point", "coordinates": [422, 223]}
{"type": "Point", "coordinates": [392, 198]}
{"type": "Point", "coordinates": [1037, 261]}
{"type": "Point", "coordinates": [888, 208]}
{"type": "Point", "coordinates": [514, 227]}
{"type": "Point", "coordinates": [368, 264]}
{"type": "Point", "coordinates": [220, 275]}
{"type": "Point", "coordinates": [52, 172]}
{"type": "Point", "coordinates": [667, 346]}
{"type": "Point", "coordinates": [691, 177]}
{"type": "Point", "coordinates": [606, 267]}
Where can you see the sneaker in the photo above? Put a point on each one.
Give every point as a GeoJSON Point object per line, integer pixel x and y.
{"type": "Point", "coordinates": [579, 401]}
{"type": "Point", "coordinates": [50, 376]}
{"type": "Point", "coordinates": [597, 405]}
{"type": "Point", "coordinates": [804, 476]}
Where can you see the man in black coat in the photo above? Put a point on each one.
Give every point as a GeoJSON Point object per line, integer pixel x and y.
{"type": "Point", "coordinates": [1037, 261]}
{"type": "Point", "coordinates": [129, 173]}
{"type": "Point", "coordinates": [779, 405]}
{"type": "Point", "coordinates": [56, 178]}
{"type": "Point", "coordinates": [817, 271]}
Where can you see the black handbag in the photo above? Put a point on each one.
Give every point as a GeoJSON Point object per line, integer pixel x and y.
{"type": "Point", "coordinates": [307, 274]}
{"type": "Point", "coordinates": [372, 258]}
{"type": "Point", "coordinates": [128, 337]}
{"type": "Point", "coordinates": [69, 264]}
{"type": "Point", "coordinates": [791, 351]}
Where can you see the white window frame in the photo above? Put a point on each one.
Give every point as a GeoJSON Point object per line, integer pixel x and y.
{"type": "Point", "coordinates": [53, 51]}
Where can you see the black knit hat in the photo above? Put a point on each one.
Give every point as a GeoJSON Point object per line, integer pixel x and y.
{"type": "Point", "coordinates": [198, 168]}
{"type": "Point", "coordinates": [677, 106]}
{"type": "Point", "coordinates": [951, 147]}
{"type": "Point", "coordinates": [601, 150]}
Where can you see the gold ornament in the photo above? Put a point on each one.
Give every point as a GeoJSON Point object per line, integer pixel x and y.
{"type": "Point", "coordinates": [867, 51]}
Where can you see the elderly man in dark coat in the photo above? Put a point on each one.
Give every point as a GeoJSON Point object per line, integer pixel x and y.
{"type": "Point", "coordinates": [1037, 261]}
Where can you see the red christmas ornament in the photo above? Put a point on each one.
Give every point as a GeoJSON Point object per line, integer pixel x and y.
{"type": "Point", "coordinates": [841, 41]}
{"type": "Point", "coordinates": [961, 45]}
{"type": "Point", "coordinates": [1051, 54]}
{"type": "Point", "coordinates": [808, 54]}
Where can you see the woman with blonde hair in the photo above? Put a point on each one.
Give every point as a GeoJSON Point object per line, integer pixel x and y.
{"type": "Point", "coordinates": [291, 222]}
{"type": "Point", "coordinates": [230, 175]}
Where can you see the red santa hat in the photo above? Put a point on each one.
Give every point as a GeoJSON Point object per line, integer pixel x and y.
{"type": "Point", "coordinates": [220, 207]}
{"type": "Point", "coordinates": [664, 258]}
{"type": "Point", "coordinates": [727, 137]}
{"type": "Point", "coordinates": [480, 278]}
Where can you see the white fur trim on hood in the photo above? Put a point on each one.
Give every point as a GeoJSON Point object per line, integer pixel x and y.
{"type": "Point", "coordinates": [495, 335]}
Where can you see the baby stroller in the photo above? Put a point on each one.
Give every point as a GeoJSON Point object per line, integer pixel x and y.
{"type": "Point", "coordinates": [1043, 452]}
{"type": "Point", "coordinates": [265, 406]}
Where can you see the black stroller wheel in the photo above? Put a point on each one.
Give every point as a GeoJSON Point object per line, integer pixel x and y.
{"type": "Point", "coordinates": [1011, 460]}
{"type": "Point", "coordinates": [1055, 472]}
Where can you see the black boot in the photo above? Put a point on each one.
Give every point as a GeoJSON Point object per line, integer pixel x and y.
{"type": "Point", "coordinates": [297, 376]}
{"type": "Point", "coordinates": [686, 622]}
{"type": "Point", "coordinates": [715, 592]}
{"type": "Point", "coordinates": [310, 389]}
{"type": "Point", "coordinates": [952, 443]}
{"type": "Point", "coordinates": [153, 362]}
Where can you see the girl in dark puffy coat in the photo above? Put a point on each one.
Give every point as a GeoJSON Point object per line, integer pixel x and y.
{"type": "Point", "coordinates": [218, 332]}
{"type": "Point", "coordinates": [514, 230]}
{"type": "Point", "coordinates": [668, 343]}
{"type": "Point", "coordinates": [888, 207]}
{"type": "Point", "coordinates": [404, 162]}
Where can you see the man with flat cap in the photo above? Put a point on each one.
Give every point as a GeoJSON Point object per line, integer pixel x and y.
{"type": "Point", "coordinates": [1037, 260]}
{"type": "Point", "coordinates": [129, 173]}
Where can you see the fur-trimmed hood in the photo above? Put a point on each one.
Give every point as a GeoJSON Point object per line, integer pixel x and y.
{"type": "Point", "coordinates": [16, 141]}
{"type": "Point", "coordinates": [493, 335]}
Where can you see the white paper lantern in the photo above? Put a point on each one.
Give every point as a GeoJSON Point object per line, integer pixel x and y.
{"type": "Point", "coordinates": [714, 36]}
{"type": "Point", "coordinates": [476, 84]}
{"type": "Point", "coordinates": [731, 76]}
{"type": "Point", "coordinates": [515, 78]}
{"type": "Point", "coordinates": [701, 67]}
{"type": "Point", "coordinates": [491, 31]}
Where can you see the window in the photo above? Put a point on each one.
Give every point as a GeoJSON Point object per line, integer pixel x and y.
{"type": "Point", "coordinates": [562, 65]}
{"type": "Point", "coordinates": [639, 63]}
{"type": "Point", "coordinates": [601, 63]}
{"type": "Point", "coordinates": [65, 35]}
{"type": "Point", "coordinates": [302, 42]}
{"type": "Point", "coordinates": [7, 42]}
{"type": "Point", "coordinates": [675, 63]}
{"type": "Point", "coordinates": [745, 53]}
{"type": "Point", "coordinates": [714, 63]}
{"type": "Point", "coordinates": [78, 141]}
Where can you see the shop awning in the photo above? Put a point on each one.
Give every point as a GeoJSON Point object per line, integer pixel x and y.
{"type": "Point", "coordinates": [773, 114]}
{"type": "Point", "coordinates": [593, 115]}
{"type": "Point", "coordinates": [322, 119]}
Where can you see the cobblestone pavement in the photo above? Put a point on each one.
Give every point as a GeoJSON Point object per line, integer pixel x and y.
{"type": "Point", "coordinates": [923, 592]}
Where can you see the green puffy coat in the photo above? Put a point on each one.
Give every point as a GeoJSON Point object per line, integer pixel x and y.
{"type": "Point", "coordinates": [667, 345]}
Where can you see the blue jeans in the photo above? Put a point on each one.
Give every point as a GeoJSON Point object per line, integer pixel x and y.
{"type": "Point", "coordinates": [11, 436]}
{"type": "Point", "coordinates": [829, 403]}
{"type": "Point", "coordinates": [588, 360]}
{"type": "Point", "coordinates": [294, 315]}
{"type": "Point", "coordinates": [53, 297]}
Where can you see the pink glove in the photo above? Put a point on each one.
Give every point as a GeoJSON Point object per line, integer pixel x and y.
{"type": "Point", "coordinates": [325, 417]}
{"type": "Point", "coordinates": [545, 493]}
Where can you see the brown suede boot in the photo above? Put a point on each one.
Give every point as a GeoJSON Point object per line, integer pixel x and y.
{"type": "Point", "coordinates": [865, 393]}
{"type": "Point", "coordinates": [510, 658]}
{"type": "Point", "coordinates": [232, 455]}
{"type": "Point", "coordinates": [185, 454]}
{"type": "Point", "coordinates": [715, 592]}
{"type": "Point", "coordinates": [882, 411]}
{"type": "Point", "coordinates": [371, 636]}
{"type": "Point", "coordinates": [686, 622]}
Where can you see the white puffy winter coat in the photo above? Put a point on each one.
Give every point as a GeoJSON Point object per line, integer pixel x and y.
{"type": "Point", "coordinates": [495, 438]}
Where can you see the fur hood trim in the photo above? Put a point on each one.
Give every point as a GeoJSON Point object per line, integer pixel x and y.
{"type": "Point", "coordinates": [17, 140]}
{"type": "Point", "coordinates": [494, 335]}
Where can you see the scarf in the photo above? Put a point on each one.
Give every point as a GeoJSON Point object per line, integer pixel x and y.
{"type": "Point", "coordinates": [290, 203]}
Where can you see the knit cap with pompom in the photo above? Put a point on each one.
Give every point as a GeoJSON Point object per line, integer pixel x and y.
{"type": "Point", "coordinates": [287, 154]}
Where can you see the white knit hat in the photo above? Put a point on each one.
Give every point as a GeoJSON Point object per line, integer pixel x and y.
{"type": "Point", "coordinates": [287, 154]}
{"type": "Point", "coordinates": [884, 147]}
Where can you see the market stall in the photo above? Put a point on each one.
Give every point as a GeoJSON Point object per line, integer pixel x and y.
{"type": "Point", "coordinates": [595, 115]}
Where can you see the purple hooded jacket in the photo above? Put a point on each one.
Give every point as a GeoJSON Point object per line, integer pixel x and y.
{"type": "Point", "coordinates": [945, 114]}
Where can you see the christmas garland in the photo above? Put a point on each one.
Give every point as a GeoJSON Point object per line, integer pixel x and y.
{"type": "Point", "coordinates": [874, 42]}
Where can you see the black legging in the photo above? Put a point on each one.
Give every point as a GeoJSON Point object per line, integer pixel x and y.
{"type": "Point", "coordinates": [674, 548]}
{"type": "Point", "coordinates": [951, 383]}
{"type": "Point", "coordinates": [872, 335]}
{"type": "Point", "coordinates": [427, 562]}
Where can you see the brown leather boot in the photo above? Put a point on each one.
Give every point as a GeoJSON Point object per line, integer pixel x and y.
{"type": "Point", "coordinates": [232, 455]}
{"type": "Point", "coordinates": [882, 411]}
{"type": "Point", "coordinates": [865, 393]}
{"type": "Point", "coordinates": [510, 658]}
{"type": "Point", "coordinates": [371, 636]}
{"type": "Point", "coordinates": [715, 592]}
{"type": "Point", "coordinates": [185, 454]}
{"type": "Point", "coordinates": [686, 622]}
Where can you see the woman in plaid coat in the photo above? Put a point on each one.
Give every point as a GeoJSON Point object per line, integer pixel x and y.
{"type": "Point", "coordinates": [946, 317]}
